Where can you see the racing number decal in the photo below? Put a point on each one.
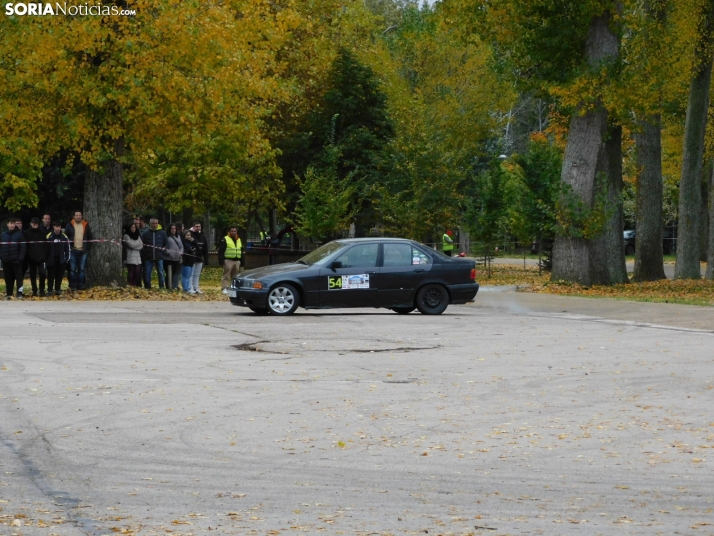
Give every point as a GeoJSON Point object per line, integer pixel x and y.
{"type": "Point", "coordinates": [347, 281]}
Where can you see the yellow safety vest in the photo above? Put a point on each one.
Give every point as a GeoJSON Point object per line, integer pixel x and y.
{"type": "Point", "coordinates": [232, 249]}
{"type": "Point", "coordinates": [447, 246]}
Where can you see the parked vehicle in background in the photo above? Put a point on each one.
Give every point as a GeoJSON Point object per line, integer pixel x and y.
{"type": "Point", "coordinates": [397, 274]}
{"type": "Point", "coordinates": [629, 237]}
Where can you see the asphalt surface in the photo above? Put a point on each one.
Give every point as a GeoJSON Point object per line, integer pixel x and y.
{"type": "Point", "coordinates": [518, 414]}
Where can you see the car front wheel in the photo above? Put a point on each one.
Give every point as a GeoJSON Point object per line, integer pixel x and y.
{"type": "Point", "coordinates": [283, 300]}
{"type": "Point", "coordinates": [432, 299]}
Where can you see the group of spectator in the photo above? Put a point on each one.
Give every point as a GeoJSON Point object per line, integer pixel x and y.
{"type": "Point", "coordinates": [177, 254]}
{"type": "Point", "coordinates": [47, 249]}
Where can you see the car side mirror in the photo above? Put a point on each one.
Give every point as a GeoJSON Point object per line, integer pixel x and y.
{"type": "Point", "coordinates": [336, 264]}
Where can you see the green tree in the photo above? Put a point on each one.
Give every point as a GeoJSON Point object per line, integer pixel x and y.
{"type": "Point", "coordinates": [536, 192]}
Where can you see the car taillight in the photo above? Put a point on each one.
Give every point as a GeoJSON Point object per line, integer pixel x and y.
{"type": "Point", "coordinates": [473, 274]}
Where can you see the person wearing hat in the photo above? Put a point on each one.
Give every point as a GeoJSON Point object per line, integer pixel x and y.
{"type": "Point", "coordinates": [36, 256]}
{"type": "Point", "coordinates": [447, 243]}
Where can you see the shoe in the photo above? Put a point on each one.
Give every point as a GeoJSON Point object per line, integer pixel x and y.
{"type": "Point", "coordinates": [58, 293]}
{"type": "Point", "coordinates": [224, 291]}
{"type": "Point", "coordinates": [42, 294]}
{"type": "Point", "coordinates": [8, 297]}
{"type": "Point", "coordinates": [34, 294]}
{"type": "Point", "coordinates": [20, 296]}
{"type": "Point", "coordinates": [50, 293]}
{"type": "Point", "coordinates": [199, 291]}
{"type": "Point", "coordinates": [192, 291]}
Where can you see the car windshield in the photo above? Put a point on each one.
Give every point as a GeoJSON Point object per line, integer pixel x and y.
{"type": "Point", "coordinates": [321, 253]}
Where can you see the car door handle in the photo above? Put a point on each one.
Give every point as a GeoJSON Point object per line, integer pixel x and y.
{"type": "Point", "coordinates": [371, 273]}
{"type": "Point", "coordinates": [420, 270]}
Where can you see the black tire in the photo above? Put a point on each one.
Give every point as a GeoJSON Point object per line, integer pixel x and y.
{"type": "Point", "coordinates": [258, 310]}
{"type": "Point", "coordinates": [403, 310]}
{"type": "Point", "coordinates": [432, 299]}
{"type": "Point", "coordinates": [630, 250]}
{"type": "Point", "coordinates": [283, 299]}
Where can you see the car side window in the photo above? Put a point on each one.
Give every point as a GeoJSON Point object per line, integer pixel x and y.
{"type": "Point", "coordinates": [419, 257]}
{"type": "Point", "coordinates": [397, 255]}
{"type": "Point", "coordinates": [362, 256]}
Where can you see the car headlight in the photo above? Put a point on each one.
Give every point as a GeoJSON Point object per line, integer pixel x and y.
{"type": "Point", "coordinates": [257, 284]}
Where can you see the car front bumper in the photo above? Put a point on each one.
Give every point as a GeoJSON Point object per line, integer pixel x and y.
{"type": "Point", "coordinates": [248, 297]}
{"type": "Point", "coordinates": [463, 293]}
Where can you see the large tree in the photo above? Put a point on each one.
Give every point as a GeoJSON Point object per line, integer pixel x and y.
{"type": "Point", "coordinates": [111, 88]}
{"type": "Point", "coordinates": [690, 186]}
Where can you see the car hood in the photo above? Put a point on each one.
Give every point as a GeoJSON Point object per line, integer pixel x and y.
{"type": "Point", "coordinates": [275, 269]}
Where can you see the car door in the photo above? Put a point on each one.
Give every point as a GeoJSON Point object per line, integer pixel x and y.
{"type": "Point", "coordinates": [354, 284]}
{"type": "Point", "coordinates": [403, 267]}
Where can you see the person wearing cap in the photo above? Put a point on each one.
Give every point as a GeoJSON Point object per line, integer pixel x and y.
{"type": "Point", "coordinates": [36, 256]}
{"type": "Point", "coordinates": [447, 243]}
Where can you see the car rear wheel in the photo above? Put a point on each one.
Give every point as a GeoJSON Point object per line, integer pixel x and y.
{"type": "Point", "coordinates": [432, 299]}
{"type": "Point", "coordinates": [259, 310]}
{"type": "Point", "coordinates": [283, 300]}
{"type": "Point", "coordinates": [403, 310]}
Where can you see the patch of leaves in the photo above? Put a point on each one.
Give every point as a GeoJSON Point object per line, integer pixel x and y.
{"type": "Point", "coordinates": [683, 291]}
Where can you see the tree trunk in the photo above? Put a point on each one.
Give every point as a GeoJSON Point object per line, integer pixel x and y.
{"type": "Point", "coordinates": [103, 199]}
{"type": "Point", "coordinates": [649, 257]}
{"type": "Point", "coordinates": [710, 248]}
{"type": "Point", "coordinates": [613, 239]}
{"type": "Point", "coordinates": [690, 194]}
{"type": "Point", "coordinates": [571, 255]}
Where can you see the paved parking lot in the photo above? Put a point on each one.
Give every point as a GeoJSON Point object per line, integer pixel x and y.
{"type": "Point", "coordinates": [502, 417]}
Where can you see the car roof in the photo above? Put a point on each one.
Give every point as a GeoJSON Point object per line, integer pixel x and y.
{"type": "Point", "coordinates": [372, 239]}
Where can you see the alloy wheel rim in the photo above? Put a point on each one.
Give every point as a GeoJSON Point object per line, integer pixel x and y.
{"type": "Point", "coordinates": [281, 300]}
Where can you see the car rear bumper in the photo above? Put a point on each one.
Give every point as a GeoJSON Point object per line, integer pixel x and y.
{"type": "Point", "coordinates": [248, 297]}
{"type": "Point", "coordinates": [463, 293]}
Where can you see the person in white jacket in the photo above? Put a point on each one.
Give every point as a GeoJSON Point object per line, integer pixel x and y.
{"type": "Point", "coordinates": [133, 256]}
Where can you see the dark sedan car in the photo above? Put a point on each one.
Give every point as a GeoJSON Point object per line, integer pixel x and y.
{"type": "Point", "coordinates": [401, 275]}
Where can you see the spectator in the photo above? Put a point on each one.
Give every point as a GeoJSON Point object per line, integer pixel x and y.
{"type": "Point", "coordinates": [80, 236]}
{"type": "Point", "coordinates": [12, 253]}
{"type": "Point", "coordinates": [190, 256]}
{"type": "Point", "coordinates": [202, 253]}
{"type": "Point", "coordinates": [58, 255]}
{"type": "Point", "coordinates": [46, 224]}
{"type": "Point", "coordinates": [229, 255]}
{"type": "Point", "coordinates": [25, 264]}
{"type": "Point", "coordinates": [154, 240]}
{"type": "Point", "coordinates": [36, 255]}
{"type": "Point", "coordinates": [174, 250]}
{"type": "Point", "coordinates": [142, 227]}
{"type": "Point", "coordinates": [134, 245]}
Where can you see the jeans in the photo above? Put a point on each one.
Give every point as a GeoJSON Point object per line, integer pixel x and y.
{"type": "Point", "coordinates": [195, 275]}
{"type": "Point", "coordinates": [186, 277]}
{"type": "Point", "coordinates": [77, 262]}
{"type": "Point", "coordinates": [149, 266]}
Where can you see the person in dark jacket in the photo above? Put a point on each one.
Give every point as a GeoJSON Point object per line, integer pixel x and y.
{"type": "Point", "coordinates": [154, 240]}
{"type": "Point", "coordinates": [12, 253]}
{"type": "Point", "coordinates": [36, 255]}
{"type": "Point", "coordinates": [80, 236]}
{"type": "Point", "coordinates": [58, 254]}
{"type": "Point", "coordinates": [202, 245]}
{"type": "Point", "coordinates": [189, 258]}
